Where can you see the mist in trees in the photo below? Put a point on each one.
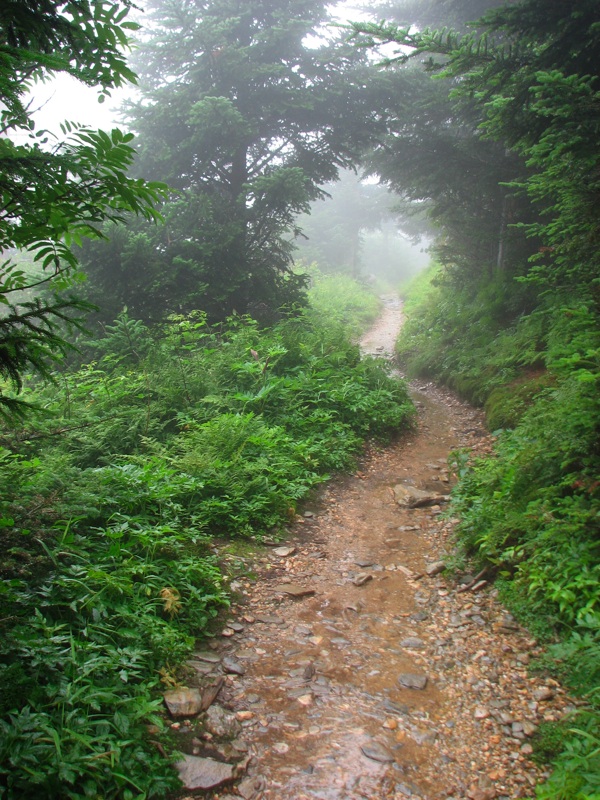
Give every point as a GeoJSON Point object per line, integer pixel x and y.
{"type": "Point", "coordinates": [246, 109]}
{"type": "Point", "coordinates": [360, 229]}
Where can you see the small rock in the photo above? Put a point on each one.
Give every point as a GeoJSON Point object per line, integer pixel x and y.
{"type": "Point", "coordinates": [412, 643]}
{"type": "Point", "coordinates": [364, 562]}
{"type": "Point", "coordinates": [222, 723]}
{"type": "Point", "coordinates": [411, 497]}
{"type": "Point", "coordinates": [235, 626]}
{"type": "Point", "coordinates": [269, 619]}
{"type": "Point", "coordinates": [250, 788]}
{"type": "Point", "coordinates": [284, 552]}
{"type": "Point", "coordinates": [526, 749]}
{"type": "Point", "coordinates": [435, 568]}
{"type": "Point", "coordinates": [281, 748]}
{"type": "Point", "coordinates": [183, 702]}
{"type": "Point", "coordinates": [203, 773]}
{"type": "Point", "coordinates": [233, 667]}
{"type": "Point", "coordinates": [542, 694]}
{"type": "Point", "coordinates": [362, 578]}
{"type": "Point", "coordinates": [209, 694]}
{"type": "Point", "coordinates": [377, 752]}
{"type": "Point", "coordinates": [410, 680]}
{"type": "Point", "coordinates": [305, 699]}
{"type": "Point", "coordinates": [295, 590]}
{"type": "Point", "coordinates": [210, 658]}
{"type": "Point", "coordinates": [481, 713]}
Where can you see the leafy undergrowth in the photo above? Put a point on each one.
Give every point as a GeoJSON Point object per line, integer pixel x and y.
{"type": "Point", "coordinates": [111, 498]}
{"type": "Point", "coordinates": [532, 511]}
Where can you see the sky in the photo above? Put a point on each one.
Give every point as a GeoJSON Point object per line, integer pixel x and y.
{"type": "Point", "coordinates": [64, 98]}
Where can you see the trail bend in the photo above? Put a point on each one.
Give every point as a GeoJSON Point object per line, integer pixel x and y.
{"type": "Point", "coordinates": [365, 677]}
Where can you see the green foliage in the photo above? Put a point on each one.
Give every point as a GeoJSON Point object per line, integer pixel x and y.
{"type": "Point", "coordinates": [342, 300]}
{"type": "Point", "coordinates": [56, 193]}
{"type": "Point", "coordinates": [109, 505]}
{"type": "Point", "coordinates": [246, 115]}
{"type": "Point", "coordinates": [525, 341]}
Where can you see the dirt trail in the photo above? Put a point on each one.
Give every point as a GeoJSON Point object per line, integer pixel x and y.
{"type": "Point", "coordinates": [363, 675]}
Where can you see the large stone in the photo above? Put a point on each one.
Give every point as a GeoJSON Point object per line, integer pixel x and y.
{"type": "Point", "coordinates": [222, 723]}
{"type": "Point", "coordinates": [203, 773]}
{"type": "Point", "coordinates": [183, 702]}
{"type": "Point", "coordinates": [411, 497]}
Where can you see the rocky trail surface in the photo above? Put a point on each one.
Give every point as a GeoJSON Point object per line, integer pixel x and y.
{"type": "Point", "coordinates": [351, 668]}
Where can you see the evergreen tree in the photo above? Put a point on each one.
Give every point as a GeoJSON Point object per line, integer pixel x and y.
{"type": "Point", "coordinates": [246, 110]}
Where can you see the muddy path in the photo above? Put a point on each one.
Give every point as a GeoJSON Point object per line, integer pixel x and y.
{"type": "Point", "coordinates": [351, 667]}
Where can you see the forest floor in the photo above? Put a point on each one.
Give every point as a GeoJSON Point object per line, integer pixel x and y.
{"type": "Point", "coordinates": [351, 666]}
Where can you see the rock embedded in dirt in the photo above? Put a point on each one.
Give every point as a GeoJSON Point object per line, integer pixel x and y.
{"type": "Point", "coordinates": [411, 497]}
{"type": "Point", "coordinates": [233, 667]}
{"type": "Point", "coordinates": [295, 590]}
{"type": "Point", "coordinates": [210, 693]}
{"type": "Point", "coordinates": [435, 568]}
{"type": "Point", "coordinates": [377, 752]}
{"type": "Point", "coordinates": [250, 788]}
{"type": "Point", "coordinates": [284, 552]}
{"type": "Point", "coordinates": [269, 619]}
{"type": "Point", "coordinates": [210, 658]}
{"type": "Point", "coordinates": [410, 680]}
{"type": "Point", "coordinates": [203, 773]}
{"type": "Point", "coordinates": [222, 723]}
{"type": "Point", "coordinates": [363, 563]}
{"type": "Point", "coordinates": [362, 578]}
{"type": "Point", "coordinates": [412, 643]}
{"type": "Point", "coordinates": [183, 702]}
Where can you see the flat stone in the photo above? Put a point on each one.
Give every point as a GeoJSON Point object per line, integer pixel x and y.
{"type": "Point", "coordinates": [412, 681]}
{"type": "Point", "coordinates": [412, 643]}
{"type": "Point", "coordinates": [268, 619]}
{"type": "Point", "coordinates": [250, 788]}
{"type": "Point", "coordinates": [203, 773]}
{"type": "Point", "coordinates": [362, 578]}
{"type": "Point", "coordinates": [377, 752]}
{"type": "Point", "coordinates": [364, 562]}
{"type": "Point", "coordinates": [210, 658]}
{"type": "Point", "coordinates": [222, 723]}
{"type": "Point", "coordinates": [284, 552]}
{"type": "Point", "coordinates": [236, 627]}
{"type": "Point", "coordinates": [210, 693]}
{"type": "Point", "coordinates": [233, 667]}
{"type": "Point", "coordinates": [543, 694]}
{"type": "Point", "coordinates": [183, 702]}
{"type": "Point", "coordinates": [295, 590]}
{"type": "Point", "coordinates": [411, 497]}
{"type": "Point", "coordinates": [435, 568]}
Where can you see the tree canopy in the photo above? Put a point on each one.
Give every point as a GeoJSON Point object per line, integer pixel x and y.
{"type": "Point", "coordinates": [247, 108]}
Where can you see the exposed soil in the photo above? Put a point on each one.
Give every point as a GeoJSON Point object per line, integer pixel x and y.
{"type": "Point", "coordinates": [365, 676]}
